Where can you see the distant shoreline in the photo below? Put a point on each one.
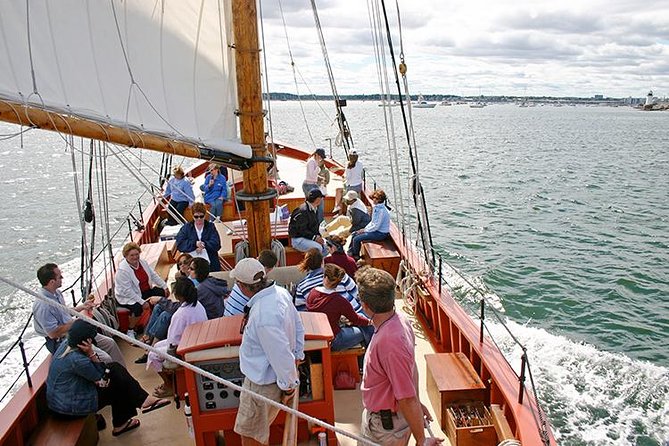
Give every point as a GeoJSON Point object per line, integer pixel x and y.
{"type": "Point", "coordinates": [454, 98]}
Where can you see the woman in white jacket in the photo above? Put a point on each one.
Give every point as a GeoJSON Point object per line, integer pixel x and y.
{"type": "Point", "coordinates": [134, 279]}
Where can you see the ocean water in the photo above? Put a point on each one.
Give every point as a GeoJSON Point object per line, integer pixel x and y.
{"type": "Point", "coordinates": [560, 214]}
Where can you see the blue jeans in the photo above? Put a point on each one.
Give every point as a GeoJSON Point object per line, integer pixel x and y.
{"type": "Point", "coordinates": [320, 210]}
{"type": "Point", "coordinates": [304, 244]}
{"type": "Point", "coordinates": [356, 242]}
{"type": "Point", "coordinates": [159, 323]}
{"type": "Point", "coordinates": [347, 338]}
{"type": "Point", "coordinates": [178, 207]}
{"type": "Point", "coordinates": [216, 209]}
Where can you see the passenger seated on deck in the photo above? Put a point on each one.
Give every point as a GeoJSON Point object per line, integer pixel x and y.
{"type": "Point", "coordinates": [77, 386]}
{"type": "Point", "coordinates": [377, 229]}
{"type": "Point", "coordinates": [338, 257]}
{"type": "Point", "coordinates": [215, 189]}
{"type": "Point", "coordinates": [183, 266]}
{"type": "Point", "coordinates": [134, 280]}
{"type": "Point", "coordinates": [325, 299]}
{"type": "Point", "coordinates": [303, 227]}
{"type": "Point", "coordinates": [356, 211]}
{"type": "Point", "coordinates": [236, 301]}
{"type": "Point", "coordinates": [179, 190]}
{"type": "Point", "coordinates": [210, 290]}
{"type": "Point", "coordinates": [189, 312]}
{"type": "Point", "coordinates": [200, 238]}
{"type": "Point", "coordinates": [53, 323]}
{"type": "Point", "coordinates": [312, 264]}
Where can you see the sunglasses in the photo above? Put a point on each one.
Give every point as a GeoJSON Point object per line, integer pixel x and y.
{"type": "Point", "coordinates": [199, 216]}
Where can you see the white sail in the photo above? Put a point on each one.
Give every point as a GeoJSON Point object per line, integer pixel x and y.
{"type": "Point", "coordinates": [163, 66]}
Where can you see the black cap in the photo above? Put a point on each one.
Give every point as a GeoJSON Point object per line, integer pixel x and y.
{"type": "Point", "coordinates": [320, 152]}
{"type": "Point", "coordinates": [79, 332]}
{"type": "Point", "coordinates": [313, 194]}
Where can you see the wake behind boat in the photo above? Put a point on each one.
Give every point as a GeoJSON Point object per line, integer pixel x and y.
{"type": "Point", "coordinates": [465, 376]}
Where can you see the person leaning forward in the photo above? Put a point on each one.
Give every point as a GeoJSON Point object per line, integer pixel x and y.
{"type": "Point", "coordinates": [272, 345]}
{"type": "Point", "coordinates": [54, 322]}
{"type": "Point", "coordinates": [392, 407]}
{"type": "Point", "coordinates": [303, 227]}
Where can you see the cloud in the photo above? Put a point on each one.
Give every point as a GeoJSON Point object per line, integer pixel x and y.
{"type": "Point", "coordinates": [614, 47]}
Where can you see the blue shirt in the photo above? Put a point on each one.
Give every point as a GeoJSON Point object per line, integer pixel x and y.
{"type": "Point", "coordinates": [180, 190]}
{"type": "Point", "coordinates": [235, 302]}
{"type": "Point", "coordinates": [273, 339]}
{"type": "Point", "coordinates": [46, 318]}
{"type": "Point", "coordinates": [218, 190]}
{"type": "Point", "coordinates": [380, 219]}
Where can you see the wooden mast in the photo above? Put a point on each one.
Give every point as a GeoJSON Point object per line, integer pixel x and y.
{"type": "Point", "coordinates": [251, 126]}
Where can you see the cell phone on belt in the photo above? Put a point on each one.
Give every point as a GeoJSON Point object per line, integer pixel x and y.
{"type": "Point", "coordinates": [386, 419]}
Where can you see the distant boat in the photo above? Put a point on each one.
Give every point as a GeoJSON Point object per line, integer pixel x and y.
{"type": "Point", "coordinates": [422, 103]}
{"type": "Point", "coordinates": [446, 103]}
{"type": "Point", "coordinates": [389, 104]}
{"type": "Point", "coordinates": [477, 105]}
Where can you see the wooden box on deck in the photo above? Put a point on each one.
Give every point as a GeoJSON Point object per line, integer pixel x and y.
{"type": "Point", "coordinates": [484, 435]}
{"type": "Point", "coordinates": [382, 255]}
{"type": "Point", "coordinates": [451, 378]}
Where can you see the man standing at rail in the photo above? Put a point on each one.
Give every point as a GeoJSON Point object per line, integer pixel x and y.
{"type": "Point", "coordinates": [272, 345]}
{"type": "Point", "coordinates": [53, 322]}
{"type": "Point", "coordinates": [389, 387]}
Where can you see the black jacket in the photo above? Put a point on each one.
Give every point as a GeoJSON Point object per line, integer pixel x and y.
{"type": "Point", "coordinates": [303, 222]}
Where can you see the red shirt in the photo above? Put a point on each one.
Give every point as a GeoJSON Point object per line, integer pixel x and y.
{"type": "Point", "coordinates": [389, 370]}
{"type": "Point", "coordinates": [143, 278]}
{"type": "Point", "coordinates": [345, 261]}
{"type": "Point", "coordinates": [334, 305]}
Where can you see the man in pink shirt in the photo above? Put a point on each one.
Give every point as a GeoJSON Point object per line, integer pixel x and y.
{"type": "Point", "coordinates": [393, 410]}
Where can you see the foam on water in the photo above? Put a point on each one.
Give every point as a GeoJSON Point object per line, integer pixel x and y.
{"type": "Point", "coordinates": [592, 397]}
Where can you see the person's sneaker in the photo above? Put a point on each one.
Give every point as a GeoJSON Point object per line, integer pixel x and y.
{"type": "Point", "coordinates": [142, 359]}
{"type": "Point", "coordinates": [130, 333]}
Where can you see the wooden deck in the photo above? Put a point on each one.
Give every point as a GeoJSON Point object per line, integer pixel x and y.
{"type": "Point", "coordinates": [168, 425]}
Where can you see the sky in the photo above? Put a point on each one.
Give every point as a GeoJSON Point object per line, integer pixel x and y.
{"type": "Point", "coordinates": [616, 48]}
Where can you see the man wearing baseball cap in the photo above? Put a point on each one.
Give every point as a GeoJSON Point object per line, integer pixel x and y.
{"type": "Point", "coordinates": [303, 225]}
{"type": "Point", "coordinates": [272, 344]}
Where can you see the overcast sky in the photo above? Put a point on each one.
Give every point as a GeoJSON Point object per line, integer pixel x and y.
{"type": "Point", "coordinates": [616, 48]}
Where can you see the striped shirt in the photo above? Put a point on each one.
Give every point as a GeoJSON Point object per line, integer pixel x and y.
{"type": "Point", "coordinates": [347, 288]}
{"type": "Point", "coordinates": [235, 302]}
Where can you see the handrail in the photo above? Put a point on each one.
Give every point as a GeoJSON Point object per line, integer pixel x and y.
{"type": "Point", "coordinates": [525, 362]}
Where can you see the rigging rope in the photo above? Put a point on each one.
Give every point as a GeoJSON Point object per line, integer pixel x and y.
{"type": "Point", "coordinates": [185, 364]}
{"type": "Point", "coordinates": [346, 139]}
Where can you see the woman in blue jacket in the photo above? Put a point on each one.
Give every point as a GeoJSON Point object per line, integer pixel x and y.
{"type": "Point", "coordinates": [377, 229]}
{"type": "Point", "coordinates": [200, 238]}
{"type": "Point", "coordinates": [79, 384]}
{"type": "Point", "coordinates": [215, 190]}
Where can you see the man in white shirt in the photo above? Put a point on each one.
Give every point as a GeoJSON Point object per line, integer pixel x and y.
{"type": "Point", "coordinates": [272, 345]}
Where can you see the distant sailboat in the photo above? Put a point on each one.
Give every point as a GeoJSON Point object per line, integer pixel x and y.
{"type": "Point", "coordinates": [422, 103]}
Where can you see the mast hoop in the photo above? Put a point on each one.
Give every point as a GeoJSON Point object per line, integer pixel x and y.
{"type": "Point", "coordinates": [248, 197]}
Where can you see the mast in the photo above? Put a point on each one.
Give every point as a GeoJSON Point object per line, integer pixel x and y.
{"type": "Point", "coordinates": [256, 194]}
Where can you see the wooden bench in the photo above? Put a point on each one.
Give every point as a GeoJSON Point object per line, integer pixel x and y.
{"type": "Point", "coordinates": [347, 360]}
{"type": "Point", "coordinates": [58, 432]}
{"type": "Point", "coordinates": [382, 254]}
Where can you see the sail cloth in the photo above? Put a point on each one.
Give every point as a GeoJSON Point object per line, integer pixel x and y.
{"type": "Point", "coordinates": [163, 66]}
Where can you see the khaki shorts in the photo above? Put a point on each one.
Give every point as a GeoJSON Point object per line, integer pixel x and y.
{"type": "Point", "coordinates": [254, 416]}
{"type": "Point", "coordinates": [371, 428]}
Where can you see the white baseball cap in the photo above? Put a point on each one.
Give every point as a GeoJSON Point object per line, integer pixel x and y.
{"type": "Point", "coordinates": [246, 271]}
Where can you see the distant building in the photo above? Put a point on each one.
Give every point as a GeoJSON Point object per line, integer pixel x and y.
{"type": "Point", "coordinates": [599, 97]}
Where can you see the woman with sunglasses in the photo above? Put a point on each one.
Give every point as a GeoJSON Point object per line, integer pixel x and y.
{"type": "Point", "coordinates": [200, 238]}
